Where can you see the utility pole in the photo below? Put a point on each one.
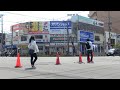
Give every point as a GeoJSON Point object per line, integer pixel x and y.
{"type": "Point", "coordinates": [64, 38]}
{"type": "Point", "coordinates": [109, 27]}
{"type": "Point", "coordinates": [12, 38]}
{"type": "Point", "coordinates": [67, 39]}
{"type": "Point", "coordinates": [1, 16]}
{"type": "Point", "coordinates": [77, 32]}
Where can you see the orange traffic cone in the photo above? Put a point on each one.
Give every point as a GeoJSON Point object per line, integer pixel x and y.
{"type": "Point", "coordinates": [80, 58]}
{"type": "Point", "coordinates": [57, 59]}
{"type": "Point", "coordinates": [18, 64]}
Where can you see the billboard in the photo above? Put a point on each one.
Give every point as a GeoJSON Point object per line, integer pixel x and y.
{"type": "Point", "coordinates": [84, 35]}
{"type": "Point", "coordinates": [60, 27]}
{"type": "Point", "coordinates": [58, 38]}
{"type": "Point", "coordinates": [39, 27]}
{"type": "Point", "coordinates": [15, 27]}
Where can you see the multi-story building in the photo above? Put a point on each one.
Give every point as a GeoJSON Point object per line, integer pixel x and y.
{"type": "Point", "coordinates": [2, 40]}
{"type": "Point", "coordinates": [111, 21]}
{"type": "Point", "coordinates": [49, 35]}
{"type": "Point", "coordinates": [84, 28]}
{"type": "Point", "coordinates": [58, 35]}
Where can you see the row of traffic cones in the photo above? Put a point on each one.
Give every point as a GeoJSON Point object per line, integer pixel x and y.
{"type": "Point", "coordinates": [18, 63]}
{"type": "Point", "coordinates": [80, 59]}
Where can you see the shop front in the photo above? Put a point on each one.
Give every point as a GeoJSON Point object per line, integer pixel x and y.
{"type": "Point", "coordinates": [61, 47]}
{"type": "Point", "coordinates": [82, 38]}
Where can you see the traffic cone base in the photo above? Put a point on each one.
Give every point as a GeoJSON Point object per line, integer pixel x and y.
{"type": "Point", "coordinates": [18, 66]}
{"type": "Point", "coordinates": [81, 62]}
{"type": "Point", "coordinates": [58, 64]}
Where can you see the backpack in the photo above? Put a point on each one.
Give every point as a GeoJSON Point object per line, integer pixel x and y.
{"type": "Point", "coordinates": [88, 45]}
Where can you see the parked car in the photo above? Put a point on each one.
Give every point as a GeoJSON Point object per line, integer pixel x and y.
{"type": "Point", "coordinates": [113, 52]}
{"type": "Point", "coordinates": [117, 52]}
{"type": "Point", "coordinates": [110, 52]}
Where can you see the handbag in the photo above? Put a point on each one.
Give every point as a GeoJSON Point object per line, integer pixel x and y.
{"type": "Point", "coordinates": [31, 51]}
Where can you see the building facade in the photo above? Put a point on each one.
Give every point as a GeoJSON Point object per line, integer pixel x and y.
{"type": "Point", "coordinates": [49, 35]}
{"type": "Point", "coordinates": [68, 37]}
{"type": "Point", "coordinates": [111, 24]}
{"type": "Point", "coordinates": [2, 43]}
{"type": "Point", "coordinates": [84, 28]}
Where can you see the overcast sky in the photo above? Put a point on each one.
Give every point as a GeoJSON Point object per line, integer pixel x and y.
{"type": "Point", "coordinates": [14, 17]}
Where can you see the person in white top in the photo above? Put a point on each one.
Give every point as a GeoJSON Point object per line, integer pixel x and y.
{"type": "Point", "coordinates": [89, 48]}
{"type": "Point", "coordinates": [34, 48]}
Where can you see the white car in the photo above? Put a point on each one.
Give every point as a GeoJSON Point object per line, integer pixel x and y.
{"type": "Point", "coordinates": [110, 52]}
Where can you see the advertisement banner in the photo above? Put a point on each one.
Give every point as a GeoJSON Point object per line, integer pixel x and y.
{"type": "Point", "coordinates": [60, 24]}
{"type": "Point", "coordinates": [24, 29]}
{"type": "Point", "coordinates": [58, 38]}
{"type": "Point", "coordinates": [16, 27]}
{"type": "Point", "coordinates": [34, 27]}
{"type": "Point", "coordinates": [39, 28]}
{"type": "Point", "coordinates": [46, 26]}
{"type": "Point", "coordinates": [84, 35]}
{"type": "Point", "coordinates": [60, 27]}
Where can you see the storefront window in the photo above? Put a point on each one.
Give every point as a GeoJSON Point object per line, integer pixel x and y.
{"type": "Point", "coordinates": [97, 38]}
{"type": "Point", "coordinates": [23, 38]}
{"type": "Point", "coordinates": [40, 47]}
{"type": "Point", "coordinates": [38, 36]}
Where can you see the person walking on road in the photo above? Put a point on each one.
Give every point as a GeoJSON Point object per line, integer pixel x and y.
{"type": "Point", "coordinates": [89, 48]}
{"type": "Point", "coordinates": [33, 50]}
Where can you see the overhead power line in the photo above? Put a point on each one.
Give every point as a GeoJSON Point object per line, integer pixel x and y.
{"type": "Point", "coordinates": [25, 15]}
{"type": "Point", "coordinates": [38, 17]}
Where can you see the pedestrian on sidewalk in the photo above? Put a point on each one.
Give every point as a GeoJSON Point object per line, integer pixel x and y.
{"type": "Point", "coordinates": [33, 50]}
{"type": "Point", "coordinates": [89, 48]}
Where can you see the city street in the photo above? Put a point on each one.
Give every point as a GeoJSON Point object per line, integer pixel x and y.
{"type": "Point", "coordinates": [102, 68]}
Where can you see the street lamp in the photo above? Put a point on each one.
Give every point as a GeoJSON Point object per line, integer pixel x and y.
{"type": "Point", "coordinates": [1, 16]}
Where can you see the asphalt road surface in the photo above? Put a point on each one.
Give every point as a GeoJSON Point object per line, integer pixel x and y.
{"type": "Point", "coordinates": [46, 68]}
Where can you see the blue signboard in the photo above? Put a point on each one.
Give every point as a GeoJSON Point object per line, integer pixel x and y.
{"type": "Point", "coordinates": [10, 46]}
{"type": "Point", "coordinates": [60, 24]}
{"type": "Point", "coordinates": [84, 35]}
